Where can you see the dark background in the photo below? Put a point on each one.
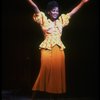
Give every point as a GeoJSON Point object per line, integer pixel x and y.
{"type": "Point", "coordinates": [20, 47]}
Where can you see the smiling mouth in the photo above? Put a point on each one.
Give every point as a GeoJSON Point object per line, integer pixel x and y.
{"type": "Point", "coordinates": [55, 16]}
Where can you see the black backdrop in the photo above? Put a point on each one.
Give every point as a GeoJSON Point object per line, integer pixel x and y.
{"type": "Point", "coordinates": [21, 38]}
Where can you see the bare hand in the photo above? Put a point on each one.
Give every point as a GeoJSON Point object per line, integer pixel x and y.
{"type": "Point", "coordinates": [85, 1]}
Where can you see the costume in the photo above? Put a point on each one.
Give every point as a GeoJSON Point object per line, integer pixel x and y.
{"type": "Point", "coordinates": [51, 77]}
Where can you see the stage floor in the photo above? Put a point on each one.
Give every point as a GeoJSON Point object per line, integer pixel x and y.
{"type": "Point", "coordinates": [9, 95]}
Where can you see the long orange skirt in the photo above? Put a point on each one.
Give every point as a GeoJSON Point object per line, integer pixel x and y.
{"type": "Point", "coordinates": [51, 77]}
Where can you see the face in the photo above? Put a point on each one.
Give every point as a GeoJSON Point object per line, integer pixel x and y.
{"type": "Point", "coordinates": [54, 13]}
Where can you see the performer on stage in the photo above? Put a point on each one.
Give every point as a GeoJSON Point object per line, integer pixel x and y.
{"type": "Point", "coordinates": [52, 78]}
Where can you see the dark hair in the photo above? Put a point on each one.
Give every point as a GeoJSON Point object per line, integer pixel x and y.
{"type": "Point", "coordinates": [51, 5]}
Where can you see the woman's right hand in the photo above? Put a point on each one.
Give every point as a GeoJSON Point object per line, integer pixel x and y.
{"type": "Point", "coordinates": [36, 9]}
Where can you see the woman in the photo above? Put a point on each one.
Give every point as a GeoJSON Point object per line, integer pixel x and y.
{"type": "Point", "coordinates": [51, 77]}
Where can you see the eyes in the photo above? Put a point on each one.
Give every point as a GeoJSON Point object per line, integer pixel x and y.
{"type": "Point", "coordinates": [55, 10]}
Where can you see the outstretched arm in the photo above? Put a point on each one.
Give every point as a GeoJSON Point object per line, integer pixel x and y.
{"type": "Point", "coordinates": [78, 7]}
{"type": "Point", "coordinates": [36, 9]}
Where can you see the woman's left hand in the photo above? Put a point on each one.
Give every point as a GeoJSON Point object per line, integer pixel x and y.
{"type": "Point", "coordinates": [85, 1]}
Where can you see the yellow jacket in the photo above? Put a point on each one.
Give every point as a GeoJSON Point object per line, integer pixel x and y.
{"type": "Point", "coordinates": [52, 30]}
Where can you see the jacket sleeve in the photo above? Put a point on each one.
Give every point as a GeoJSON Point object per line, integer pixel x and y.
{"type": "Point", "coordinates": [64, 19]}
{"type": "Point", "coordinates": [40, 18]}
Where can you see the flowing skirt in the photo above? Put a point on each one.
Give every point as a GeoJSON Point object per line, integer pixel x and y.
{"type": "Point", "coordinates": [51, 77]}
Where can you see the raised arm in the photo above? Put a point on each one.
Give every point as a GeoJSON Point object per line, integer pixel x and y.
{"type": "Point", "coordinates": [78, 7]}
{"type": "Point", "coordinates": [35, 7]}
